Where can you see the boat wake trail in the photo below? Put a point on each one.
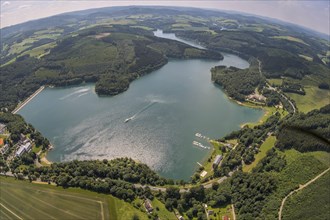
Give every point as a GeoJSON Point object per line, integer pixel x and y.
{"type": "Point", "coordinates": [79, 92]}
{"type": "Point", "coordinates": [141, 111]}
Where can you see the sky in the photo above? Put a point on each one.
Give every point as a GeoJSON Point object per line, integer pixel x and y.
{"type": "Point", "coordinates": [311, 14]}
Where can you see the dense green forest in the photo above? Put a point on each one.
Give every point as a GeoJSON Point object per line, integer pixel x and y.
{"type": "Point", "coordinates": [236, 82]}
{"type": "Point", "coordinates": [16, 125]}
{"type": "Point", "coordinates": [312, 202]}
{"type": "Point", "coordinates": [306, 132]}
{"type": "Point", "coordinates": [115, 177]}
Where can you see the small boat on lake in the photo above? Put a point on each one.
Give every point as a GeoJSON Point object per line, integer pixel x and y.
{"type": "Point", "coordinates": [128, 119]}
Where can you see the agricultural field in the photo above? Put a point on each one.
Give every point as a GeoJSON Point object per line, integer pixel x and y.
{"type": "Point", "coordinates": [313, 202]}
{"type": "Point", "coordinates": [266, 146]}
{"type": "Point", "coordinates": [290, 38]}
{"type": "Point", "coordinates": [315, 98]}
{"type": "Point", "coordinates": [23, 200]}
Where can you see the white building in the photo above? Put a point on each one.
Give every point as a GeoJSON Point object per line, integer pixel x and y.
{"type": "Point", "coordinates": [23, 148]}
{"type": "Point", "coordinates": [217, 161]}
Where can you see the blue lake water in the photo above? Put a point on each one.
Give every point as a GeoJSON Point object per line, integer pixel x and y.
{"type": "Point", "coordinates": [167, 107]}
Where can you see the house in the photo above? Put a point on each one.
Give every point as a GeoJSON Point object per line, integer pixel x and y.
{"type": "Point", "coordinates": [4, 149]}
{"type": "Point", "coordinates": [256, 97]}
{"type": "Point", "coordinates": [2, 128]}
{"type": "Point", "coordinates": [217, 161]}
{"type": "Point", "coordinates": [203, 174]}
{"type": "Point", "coordinates": [23, 148]}
{"type": "Point", "coordinates": [148, 206]}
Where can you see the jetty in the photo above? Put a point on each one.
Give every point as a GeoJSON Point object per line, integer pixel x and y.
{"type": "Point", "coordinates": [200, 145]}
{"type": "Point", "coordinates": [199, 135]}
{"type": "Point", "coordinates": [21, 105]}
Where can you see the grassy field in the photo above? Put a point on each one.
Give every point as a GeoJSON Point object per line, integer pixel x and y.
{"type": "Point", "coordinates": [306, 57]}
{"type": "Point", "coordinates": [267, 145]}
{"type": "Point", "coordinates": [313, 202]}
{"type": "Point", "coordinates": [315, 98]}
{"type": "Point", "coordinates": [161, 211]}
{"type": "Point", "coordinates": [290, 38]}
{"type": "Point", "coordinates": [276, 82]}
{"type": "Point", "coordinates": [292, 155]}
{"type": "Point", "coordinates": [23, 200]}
{"type": "Point", "coordinates": [39, 52]}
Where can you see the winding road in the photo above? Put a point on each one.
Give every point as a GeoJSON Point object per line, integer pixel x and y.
{"type": "Point", "coordinates": [274, 89]}
{"type": "Point", "coordinates": [296, 190]}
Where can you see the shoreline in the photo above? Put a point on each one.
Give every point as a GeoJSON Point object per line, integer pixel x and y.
{"type": "Point", "coordinates": [250, 105]}
{"type": "Point", "coordinates": [26, 101]}
{"type": "Point", "coordinates": [44, 159]}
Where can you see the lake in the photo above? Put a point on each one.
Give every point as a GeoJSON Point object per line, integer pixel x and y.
{"type": "Point", "coordinates": [166, 107]}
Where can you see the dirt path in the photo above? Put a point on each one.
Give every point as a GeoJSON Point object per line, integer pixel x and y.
{"type": "Point", "coordinates": [233, 210]}
{"type": "Point", "coordinates": [296, 190]}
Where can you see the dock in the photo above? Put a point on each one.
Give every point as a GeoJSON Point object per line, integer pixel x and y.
{"type": "Point", "coordinates": [21, 105]}
{"type": "Point", "coordinates": [199, 135]}
{"type": "Point", "coordinates": [200, 145]}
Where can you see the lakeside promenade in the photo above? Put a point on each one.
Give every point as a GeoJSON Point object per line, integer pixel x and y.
{"type": "Point", "coordinates": [21, 105]}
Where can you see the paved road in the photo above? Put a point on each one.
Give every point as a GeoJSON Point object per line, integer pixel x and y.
{"type": "Point", "coordinates": [274, 89]}
{"type": "Point", "coordinates": [182, 190]}
{"type": "Point", "coordinates": [296, 190]}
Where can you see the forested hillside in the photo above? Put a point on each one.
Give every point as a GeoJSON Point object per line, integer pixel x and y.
{"type": "Point", "coordinates": [237, 83]}
{"type": "Point", "coordinates": [306, 132]}
{"type": "Point", "coordinates": [113, 46]}
{"type": "Point", "coordinates": [112, 57]}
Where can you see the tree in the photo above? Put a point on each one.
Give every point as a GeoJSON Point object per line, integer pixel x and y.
{"type": "Point", "coordinates": [135, 217]}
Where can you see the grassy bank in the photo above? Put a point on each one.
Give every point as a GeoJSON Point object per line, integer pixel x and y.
{"type": "Point", "coordinates": [267, 145]}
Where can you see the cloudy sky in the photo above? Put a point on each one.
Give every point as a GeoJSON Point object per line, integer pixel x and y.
{"type": "Point", "coordinates": [311, 14]}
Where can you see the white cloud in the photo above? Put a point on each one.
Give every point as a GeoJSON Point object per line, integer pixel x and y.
{"type": "Point", "coordinates": [24, 6]}
{"type": "Point", "coordinates": [5, 4]}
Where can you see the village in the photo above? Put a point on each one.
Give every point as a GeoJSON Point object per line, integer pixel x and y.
{"type": "Point", "coordinates": [11, 150]}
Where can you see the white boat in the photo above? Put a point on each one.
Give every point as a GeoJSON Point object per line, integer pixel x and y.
{"type": "Point", "coordinates": [128, 119]}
